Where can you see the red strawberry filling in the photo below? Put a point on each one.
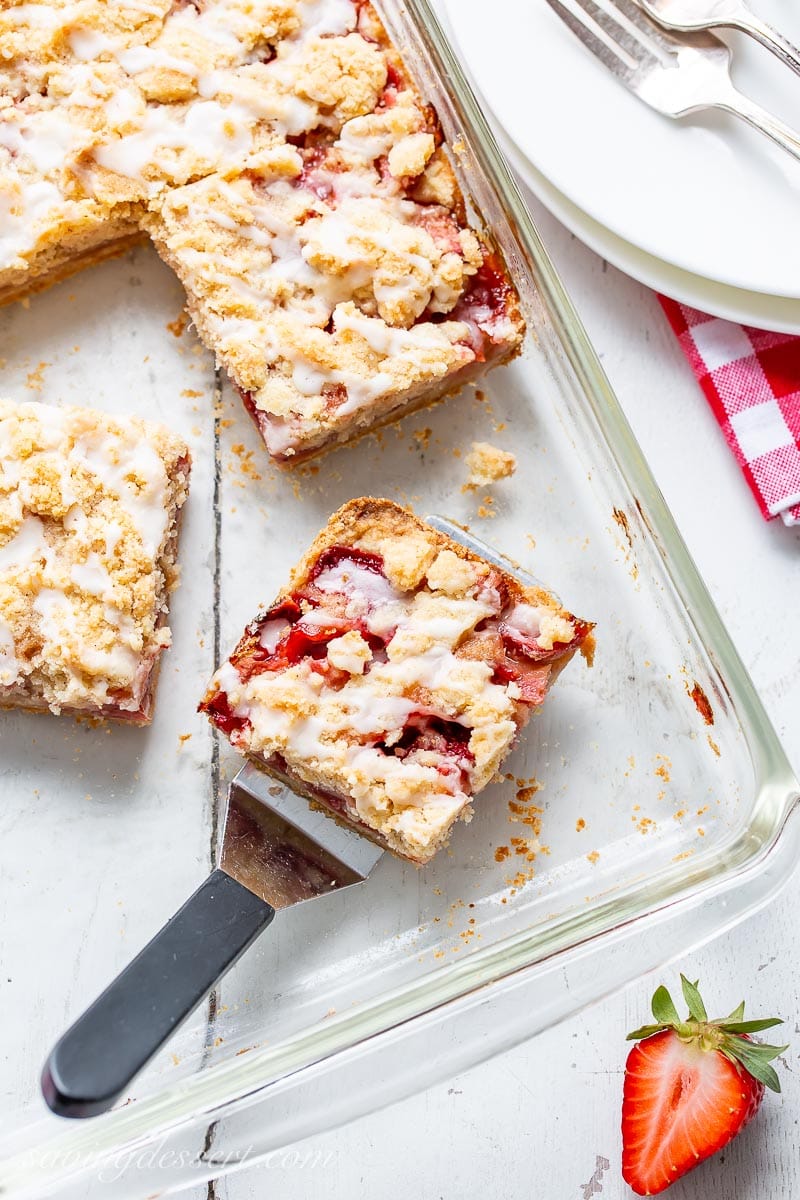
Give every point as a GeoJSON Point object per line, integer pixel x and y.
{"type": "Point", "coordinates": [531, 679]}
{"type": "Point", "coordinates": [439, 223]}
{"type": "Point", "coordinates": [447, 740]}
{"type": "Point", "coordinates": [223, 716]}
{"type": "Point", "coordinates": [484, 305]}
{"type": "Point", "coordinates": [318, 173]}
{"type": "Point", "coordinates": [394, 84]}
{"type": "Point", "coordinates": [286, 634]}
{"type": "Point", "coordinates": [518, 642]}
{"type": "Point", "coordinates": [335, 555]}
{"type": "Point", "coordinates": [330, 799]}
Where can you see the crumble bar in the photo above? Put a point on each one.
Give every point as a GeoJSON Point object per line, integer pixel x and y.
{"type": "Point", "coordinates": [390, 679]}
{"type": "Point", "coordinates": [285, 166]}
{"type": "Point", "coordinates": [89, 510]}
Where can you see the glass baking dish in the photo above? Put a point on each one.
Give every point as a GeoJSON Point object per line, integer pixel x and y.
{"type": "Point", "coordinates": [647, 808]}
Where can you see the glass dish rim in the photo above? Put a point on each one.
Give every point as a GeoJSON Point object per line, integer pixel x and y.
{"type": "Point", "coordinates": [239, 1081]}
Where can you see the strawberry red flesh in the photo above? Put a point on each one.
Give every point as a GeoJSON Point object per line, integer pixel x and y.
{"type": "Point", "coordinates": [690, 1086]}
{"type": "Point", "coordinates": [681, 1104]}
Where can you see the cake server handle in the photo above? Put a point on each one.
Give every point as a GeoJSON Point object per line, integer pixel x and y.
{"type": "Point", "coordinates": [93, 1063]}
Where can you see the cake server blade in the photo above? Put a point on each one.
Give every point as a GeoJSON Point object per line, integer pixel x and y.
{"type": "Point", "coordinates": [276, 852]}
{"type": "Point", "coordinates": [284, 851]}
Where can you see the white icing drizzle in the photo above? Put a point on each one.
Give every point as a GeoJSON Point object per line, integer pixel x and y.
{"type": "Point", "coordinates": [218, 133]}
{"type": "Point", "coordinates": [540, 624]}
{"type": "Point", "coordinates": [385, 339]}
{"type": "Point", "coordinates": [525, 618]}
{"type": "Point", "coordinates": [113, 533]}
{"type": "Point", "coordinates": [143, 6]}
{"type": "Point", "coordinates": [27, 545]}
{"type": "Point", "coordinates": [228, 681]}
{"type": "Point", "coordinates": [44, 137]}
{"type": "Point", "coordinates": [92, 577]}
{"type": "Point", "coordinates": [271, 633]}
{"type": "Point", "coordinates": [19, 219]}
{"type": "Point", "coordinates": [138, 480]}
{"type": "Point", "coordinates": [356, 139]}
{"type": "Point", "coordinates": [40, 16]}
{"type": "Point", "coordinates": [122, 107]}
{"type": "Point", "coordinates": [321, 17]}
{"type": "Point", "coordinates": [350, 577]}
{"type": "Point", "coordinates": [143, 58]}
{"type": "Point", "coordinates": [87, 44]}
{"type": "Point", "coordinates": [10, 666]}
{"type": "Point", "coordinates": [57, 618]}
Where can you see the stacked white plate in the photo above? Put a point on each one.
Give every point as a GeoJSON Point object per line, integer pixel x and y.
{"type": "Point", "coordinates": [704, 209]}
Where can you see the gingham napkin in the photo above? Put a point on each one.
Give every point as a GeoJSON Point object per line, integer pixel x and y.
{"type": "Point", "coordinates": [752, 381]}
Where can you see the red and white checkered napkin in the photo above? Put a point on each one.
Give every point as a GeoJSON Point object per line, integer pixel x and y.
{"type": "Point", "coordinates": [752, 381]}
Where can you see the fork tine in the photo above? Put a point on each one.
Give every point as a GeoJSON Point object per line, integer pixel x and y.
{"type": "Point", "coordinates": [665, 41]}
{"type": "Point", "coordinates": [596, 39]}
{"type": "Point", "coordinates": [611, 17]}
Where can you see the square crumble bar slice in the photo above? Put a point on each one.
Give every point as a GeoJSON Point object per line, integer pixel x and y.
{"type": "Point", "coordinates": [334, 307]}
{"type": "Point", "coordinates": [89, 514]}
{"type": "Point", "coordinates": [337, 278]}
{"type": "Point", "coordinates": [392, 676]}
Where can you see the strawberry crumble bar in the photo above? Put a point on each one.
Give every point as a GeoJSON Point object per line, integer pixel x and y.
{"type": "Point", "coordinates": [89, 509]}
{"type": "Point", "coordinates": [285, 166]}
{"type": "Point", "coordinates": [390, 679]}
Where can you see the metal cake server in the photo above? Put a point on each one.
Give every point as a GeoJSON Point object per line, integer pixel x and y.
{"type": "Point", "coordinates": [689, 16]}
{"type": "Point", "coordinates": [276, 852]}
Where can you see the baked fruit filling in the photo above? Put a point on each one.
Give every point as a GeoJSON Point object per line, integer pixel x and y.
{"type": "Point", "coordinates": [391, 679]}
{"type": "Point", "coordinates": [89, 511]}
{"type": "Point", "coordinates": [285, 166]}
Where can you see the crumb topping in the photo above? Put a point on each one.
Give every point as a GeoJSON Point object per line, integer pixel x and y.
{"type": "Point", "coordinates": [88, 505]}
{"type": "Point", "coordinates": [487, 464]}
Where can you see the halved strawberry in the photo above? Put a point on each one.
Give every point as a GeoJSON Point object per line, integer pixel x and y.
{"type": "Point", "coordinates": [690, 1086]}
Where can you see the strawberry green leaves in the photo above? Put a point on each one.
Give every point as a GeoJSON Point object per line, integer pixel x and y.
{"type": "Point", "coordinates": [729, 1035]}
{"type": "Point", "coordinates": [749, 1026]}
{"type": "Point", "coordinates": [755, 1058]}
{"type": "Point", "coordinates": [663, 1009]}
{"type": "Point", "coordinates": [697, 1010]}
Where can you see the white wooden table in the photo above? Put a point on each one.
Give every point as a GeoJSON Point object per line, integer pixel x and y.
{"type": "Point", "coordinates": [542, 1123]}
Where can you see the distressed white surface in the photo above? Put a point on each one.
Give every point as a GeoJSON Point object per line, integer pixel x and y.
{"type": "Point", "coordinates": [542, 1122]}
{"type": "Point", "coordinates": [100, 811]}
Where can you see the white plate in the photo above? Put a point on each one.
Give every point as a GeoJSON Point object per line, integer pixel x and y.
{"type": "Point", "coordinates": [706, 194]}
{"type": "Point", "coordinates": [777, 313]}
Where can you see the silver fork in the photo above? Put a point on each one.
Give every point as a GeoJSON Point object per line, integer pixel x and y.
{"type": "Point", "coordinates": [674, 75]}
{"type": "Point", "coordinates": [686, 16]}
